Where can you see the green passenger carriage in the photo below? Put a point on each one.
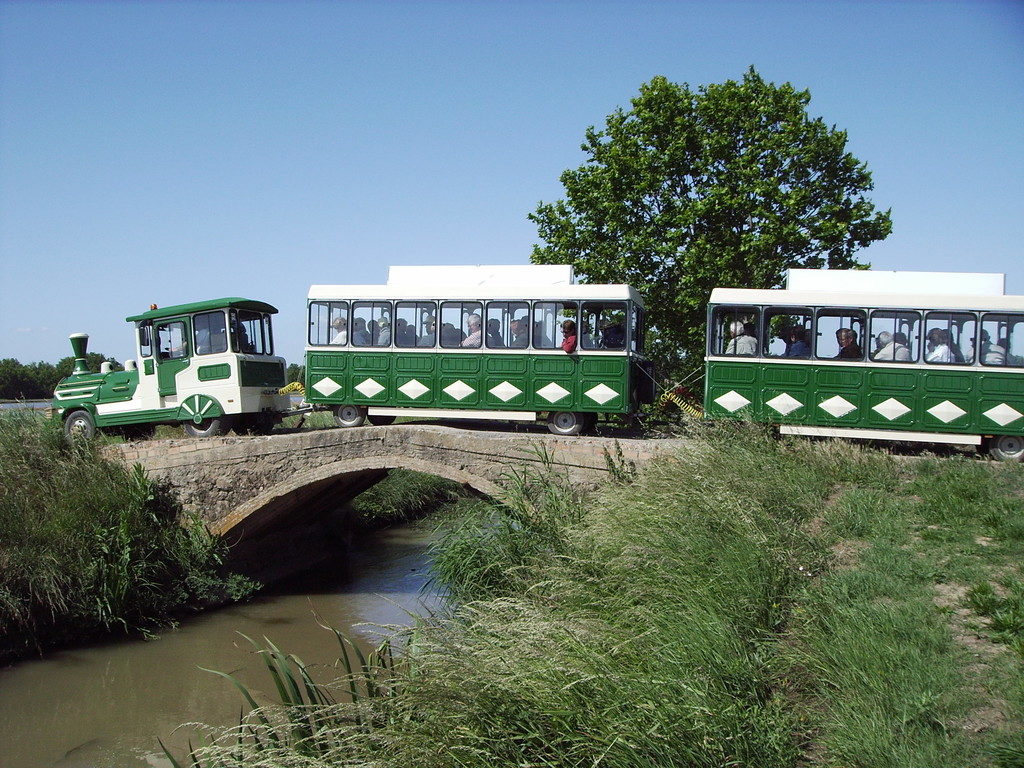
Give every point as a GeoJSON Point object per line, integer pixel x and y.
{"type": "Point", "coordinates": [930, 357]}
{"type": "Point", "coordinates": [476, 342]}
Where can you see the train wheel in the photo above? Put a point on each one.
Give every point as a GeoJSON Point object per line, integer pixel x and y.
{"type": "Point", "coordinates": [568, 422]}
{"type": "Point", "coordinates": [219, 425]}
{"type": "Point", "coordinates": [79, 425]}
{"type": "Point", "coordinates": [1006, 448]}
{"type": "Point", "coordinates": [380, 421]}
{"type": "Point", "coordinates": [350, 415]}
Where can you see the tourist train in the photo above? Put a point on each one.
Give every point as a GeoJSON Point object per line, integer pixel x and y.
{"type": "Point", "coordinates": [918, 356]}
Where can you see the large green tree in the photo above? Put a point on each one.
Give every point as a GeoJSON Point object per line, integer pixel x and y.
{"type": "Point", "coordinates": [726, 185]}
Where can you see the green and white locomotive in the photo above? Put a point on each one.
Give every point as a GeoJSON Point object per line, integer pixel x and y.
{"type": "Point", "coordinates": [209, 366]}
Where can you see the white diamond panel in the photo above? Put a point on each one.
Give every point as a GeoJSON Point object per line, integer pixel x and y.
{"type": "Point", "coordinates": [784, 403]}
{"type": "Point", "coordinates": [601, 394]}
{"type": "Point", "coordinates": [327, 386]}
{"type": "Point", "coordinates": [732, 401]}
{"type": "Point", "coordinates": [553, 392]}
{"type": "Point", "coordinates": [505, 391]}
{"type": "Point", "coordinates": [1003, 414]}
{"type": "Point", "coordinates": [459, 389]}
{"type": "Point", "coordinates": [369, 387]}
{"type": "Point", "coordinates": [837, 406]}
{"type": "Point", "coordinates": [413, 389]}
{"type": "Point", "coordinates": [946, 411]}
{"type": "Point", "coordinates": [891, 408]}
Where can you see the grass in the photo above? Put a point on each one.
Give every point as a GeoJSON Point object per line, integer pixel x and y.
{"type": "Point", "coordinates": [748, 601]}
{"type": "Point", "coordinates": [88, 546]}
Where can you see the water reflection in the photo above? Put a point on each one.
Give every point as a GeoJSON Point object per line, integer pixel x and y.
{"type": "Point", "coordinates": [106, 705]}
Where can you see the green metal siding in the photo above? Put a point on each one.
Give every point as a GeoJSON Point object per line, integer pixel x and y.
{"type": "Point", "coordinates": [923, 399]}
{"type": "Point", "coordinates": [471, 381]}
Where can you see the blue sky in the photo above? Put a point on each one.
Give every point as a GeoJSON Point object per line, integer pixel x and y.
{"type": "Point", "coordinates": [169, 152]}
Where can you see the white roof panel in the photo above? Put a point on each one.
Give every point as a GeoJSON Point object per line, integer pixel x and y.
{"type": "Point", "coordinates": [882, 281]}
{"type": "Point", "coordinates": [579, 292]}
{"type": "Point", "coordinates": [819, 298]}
{"type": "Point", "coordinates": [482, 275]}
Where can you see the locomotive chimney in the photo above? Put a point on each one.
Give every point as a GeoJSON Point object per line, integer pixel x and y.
{"type": "Point", "coordinates": [79, 343]}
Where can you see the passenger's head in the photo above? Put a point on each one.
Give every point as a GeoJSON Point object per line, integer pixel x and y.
{"type": "Point", "coordinates": [493, 325]}
{"type": "Point", "coordinates": [474, 322]}
{"type": "Point", "coordinates": [795, 333]}
{"type": "Point", "coordinates": [569, 327]}
{"type": "Point", "coordinates": [846, 336]}
{"type": "Point", "coordinates": [901, 338]}
{"type": "Point", "coordinates": [735, 328]}
{"type": "Point", "coordinates": [518, 325]}
{"type": "Point", "coordinates": [338, 323]}
{"type": "Point", "coordinates": [883, 339]}
{"type": "Point", "coordinates": [935, 336]}
{"type": "Point", "coordinates": [359, 324]}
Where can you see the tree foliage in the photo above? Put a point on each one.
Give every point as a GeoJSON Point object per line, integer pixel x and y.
{"type": "Point", "coordinates": [726, 185]}
{"type": "Point", "coordinates": [35, 381]}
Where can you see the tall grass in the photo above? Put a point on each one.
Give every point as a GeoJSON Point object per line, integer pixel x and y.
{"type": "Point", "coordinates": [89, 546]}
{"type": "Point", "coordinates": [704, 614]}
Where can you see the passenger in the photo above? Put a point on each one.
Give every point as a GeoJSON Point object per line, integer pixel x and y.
{"type": "Point", "coordinates": [244, 345]}
{"type": "Point", "coordinates": [992, 354]}
{"type": "Point", "coordinates": [796, 344]}
{"type": "Point", "coordinates": [614, 336]}
{"type": "Point", "coordinates": [938, 347]}
{"type": "Point", "coordinates": [741, 343]}
{"type": "Point", "coordinates": [588, 338]}
{"type": "Point", "coordinates": [451, 336]}
{"type": "Point", "coordinates": [569, 336]}
{"type": "Point", "coordinates": [405, 336]}
{"type": "Point", "coordinates": [360, 336]}
{"type": "Point", "coordinates": [428, 339]}
{"type": "Point", "coordinates": [475, 332]}
{"type": "Point", "coordinates": [540, 340]}
{"type": "Point", "coordinates": [494, 339]}
{"type": "Point", "coordinates": [340, 331]}
{"type": "Point", "coordinates": [849, 349]}
{"type": "Point", "coordinates": [520, 334]}
{"type": "Point", "coordinates": [887, 348]}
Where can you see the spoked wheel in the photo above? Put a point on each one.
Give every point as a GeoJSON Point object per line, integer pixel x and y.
{"type": "Point", "coordinates": [79, 425]}
{"type": "Point", "coordinates": [569, 422]}
{"type": "Point", "coordinates": [380, 421]}
{"type": "Point", "coordinates": [214, 427]}
{"type": "Point", "coordinates": [1007, 448]}
{"type": "Point", "coordinates": [350, 415]}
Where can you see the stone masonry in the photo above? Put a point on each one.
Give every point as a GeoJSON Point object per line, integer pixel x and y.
{"type": "Point", "coordinates": [245, 485]}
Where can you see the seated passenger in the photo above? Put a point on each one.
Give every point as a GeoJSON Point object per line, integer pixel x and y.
{"type": "Point", "coordinates": [475, 336]}
{"type": "Point", "coordinates": [741, 342]}
{"type": "Point", "coordinates": [340, 331]}
{"type": "Point", "coordinates": [992, 354]}
{"type": "Point", "coordinates": [569, 336]}
{"type": "Point", "coordinates": [429, 333]}
{"type": "Point", "coordinates": [613, 336]}
{"type": "Point", "coordinates": [888, 348]}
{"type": "Point", "coordinates": [451, 336]}
{"type": "Point", "coordinates": [796, 344]}
{"type": "Point", "coordinates": [520, 334]}
{"type": "Point", "coordinates": [405, 336]}
{"type": "Point", "coordinates": [849, 349]}
{"type": "Point", "coordinates": [938, 350]}
{"type": "Point", "coordinates": [360, 336]}
{"type": "Point", "coordinates": [494, 333]}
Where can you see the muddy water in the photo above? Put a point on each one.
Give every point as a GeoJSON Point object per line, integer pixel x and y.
{"type": "Point", "coordinates": [106, 705]}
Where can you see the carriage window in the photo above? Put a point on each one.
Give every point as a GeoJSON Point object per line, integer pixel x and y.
{"type": "Point", "coordinates": [1002, 340]}
{"type": "Point", "coordinates": [734, 331]}
{"type": "Point", "coordinates": [895, 336]}
{"type": "Point", "coordinates": [250, 332]}
{"type": "Point", "coordinates": [328, 323]}
{"type": "Point", "coordinates": [839, 334]}
{"type": "Point", "coordinates": [603, 325]}
{"type": "Point", "coordinates": [146, 339]}
{"type": "Point", "coordinates": [548, 317]}
{"type": "Point", "coordinates": [461, 324]}
{"type": "Point", "coordinates": [950, 337]}
{"type": "Point", "coordinates": [371, 324]}
{"type": "Point", "coordinates": [211, 333]}
{"type": "Point", "coordinates": [171, 340]}
{"type": "Point", "coordinates": [787, 332]}
{"type": "Point", "coordinates": [636, 330]}
{"type": "Point", "coordinates": [508, 324]}
{"type": "Point", "coordinates": [415, 324]}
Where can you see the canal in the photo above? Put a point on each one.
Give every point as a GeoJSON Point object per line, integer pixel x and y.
{"type": "Point", "coordinates": [105, 706]}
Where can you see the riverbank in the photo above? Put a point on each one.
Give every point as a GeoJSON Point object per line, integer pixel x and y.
{"type": "Point", "coordinates": [749, 601]}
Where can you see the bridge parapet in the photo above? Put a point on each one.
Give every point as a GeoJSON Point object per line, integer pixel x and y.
{"type": "Point", "coordinates": [243, 485]}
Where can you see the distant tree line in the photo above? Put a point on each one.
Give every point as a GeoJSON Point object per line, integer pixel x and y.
{"type": "Point", "coordinates": [35, 381]}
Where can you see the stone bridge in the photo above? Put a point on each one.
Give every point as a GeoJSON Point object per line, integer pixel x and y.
{"type": "Point", "coordinates": [267, 488]}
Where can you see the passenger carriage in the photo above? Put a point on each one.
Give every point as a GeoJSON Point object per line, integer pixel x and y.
{"type": "Point", "coordinates": [209, 366]}
{"type": "Point", "coordinates": [938, 357]}
{"type": "Point", "coordinates": [476, 342]}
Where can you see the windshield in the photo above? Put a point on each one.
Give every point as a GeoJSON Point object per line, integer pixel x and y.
{"type": "Point", "coordinates": [250, 332]}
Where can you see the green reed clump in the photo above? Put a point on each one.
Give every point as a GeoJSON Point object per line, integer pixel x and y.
{"type": "Point", "coordinates": [89, 546]}
{"type": "Point", "coordinates": [402, 496]}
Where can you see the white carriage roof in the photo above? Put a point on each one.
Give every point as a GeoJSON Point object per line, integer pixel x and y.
{"type": "Point", "coordinates": [902, 282]}
{"type": "Point", "coordinates": [779, 297]}
{"type": "Point", "coordinates": [503, 282]}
